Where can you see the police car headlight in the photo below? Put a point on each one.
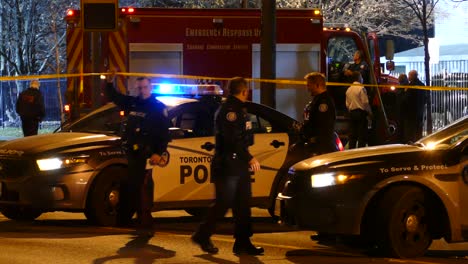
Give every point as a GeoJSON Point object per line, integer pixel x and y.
{"type": "Point", "coordinates": [58, 163]}
{"type": "Point", "coordinates": [328, 179]}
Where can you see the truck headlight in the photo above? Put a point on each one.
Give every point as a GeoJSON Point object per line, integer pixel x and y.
{"type": "Point", "coordinates": [330, 179]}
{"type": "Point", "coordinates": [58, 163]}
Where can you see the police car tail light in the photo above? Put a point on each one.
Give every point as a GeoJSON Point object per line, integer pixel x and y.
{"type": "Point", "coordinates": [58, 163]}
{"type": "Point", "coordinates": [186, 89]}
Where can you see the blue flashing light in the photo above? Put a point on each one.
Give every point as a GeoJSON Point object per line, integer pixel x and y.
{"type": "Point", "coordinates": [186, 89]}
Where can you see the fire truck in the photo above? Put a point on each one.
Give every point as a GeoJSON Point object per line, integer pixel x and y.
{"type": "Point", "coordinates": [222, 43]}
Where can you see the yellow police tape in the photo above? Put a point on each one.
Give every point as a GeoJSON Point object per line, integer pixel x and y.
{"type": "Point", "coordinates": [195, 77]}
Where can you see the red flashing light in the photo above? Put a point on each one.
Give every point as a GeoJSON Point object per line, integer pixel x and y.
{"type": "Point", "coordinates": [128, 10]}
{"type": "Point", "coordinates": [340, 144]}
{"type": "Point", "coordinates": [70, 12]}
{"type": "Point", "coordinates": [66, 108]}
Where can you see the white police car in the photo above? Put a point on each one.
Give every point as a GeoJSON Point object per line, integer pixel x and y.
{"type": "Point", "coordinates": [397, 197]}
{"type": "Point", "coordinates": [79, 168]}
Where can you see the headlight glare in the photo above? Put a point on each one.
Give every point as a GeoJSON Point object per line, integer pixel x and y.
{"type": "Point", "coordinates": [49, 164]}
{"type": "Point", "coordinates": [58, 163]}
{"type": "Point", "coordinates": [322, 180]}
{"type": "Point", "coordinates": [328, 179]}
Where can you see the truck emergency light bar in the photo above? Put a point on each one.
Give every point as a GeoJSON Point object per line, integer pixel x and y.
{"type": "Point", "coordinates": [186, 89]}
{"type": "Point", "coordinates": [336, 26]}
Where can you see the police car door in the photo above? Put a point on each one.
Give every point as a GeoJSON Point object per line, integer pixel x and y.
{"type": "Point", "coordinates": [462, 148]}
{"type": "Point", "coordinates": [271, 143]}
{"type": "Point", "coordinates": [186, 177]}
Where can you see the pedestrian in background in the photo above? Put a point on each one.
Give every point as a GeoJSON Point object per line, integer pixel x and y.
{"type": "Point", "coordinates": [230, 172]}
{"type": "Point", "coordinates": [413, 109]}
{"type": "Point", "coordinates": [30, 107]}
{"type": "Point", "coordinates": [401, 105]}
{"type": "Point", "coordinates": [318, 128]}
{"type": "Point", "coordinates": [145, 136]}
{"type": "Point", "coordinates": [360, 112]}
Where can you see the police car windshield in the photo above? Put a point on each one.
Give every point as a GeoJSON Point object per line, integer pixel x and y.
{"type": "Point", "coordinates": [447, 136]}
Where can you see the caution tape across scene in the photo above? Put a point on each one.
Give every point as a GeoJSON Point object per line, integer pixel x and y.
{"type": "Point", "coordinates": [195, 77]}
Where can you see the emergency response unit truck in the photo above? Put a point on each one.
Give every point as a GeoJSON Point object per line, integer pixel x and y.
{"type": "Point", "coordinates": [223, 43]}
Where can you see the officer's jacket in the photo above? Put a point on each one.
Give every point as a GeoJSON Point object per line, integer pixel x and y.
{"type": "Point", "coordinates": [319, 123]}
{"type": "Point", "coordinates": [30, 104]}
{"type": "Point", "coordinates": [362, 68]}
{"type": "Point", "coordinates": [233, 130]}
{"type": "Point", "coordinates": [146, 130]}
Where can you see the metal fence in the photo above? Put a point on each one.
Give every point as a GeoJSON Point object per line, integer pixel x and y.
{"type": "Point", "coordinates": [445, 106]}
{"type": "Point", "coordinates": [9, 91]}
{"type": "Point", "coordinates": [448, 106]}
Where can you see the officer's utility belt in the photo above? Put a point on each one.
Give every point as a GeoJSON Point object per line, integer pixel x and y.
{"type": "Point", "coordinates": [230, 155]}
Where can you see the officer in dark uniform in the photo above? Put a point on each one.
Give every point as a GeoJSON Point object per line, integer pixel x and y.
{"type": "Point", "coordinates": [30, 107]}
{"type": "Point", "coordinates": [319, 117]}
{"type": "Point", "coordinates": [230, 172]}
{"type": "Point", "coordinates": [360, 66]}
{"type": "Point", "coordinates": [145, 136]}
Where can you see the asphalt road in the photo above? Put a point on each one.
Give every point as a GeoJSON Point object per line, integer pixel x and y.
{"type": "Point", "coordinates": [67, 238]}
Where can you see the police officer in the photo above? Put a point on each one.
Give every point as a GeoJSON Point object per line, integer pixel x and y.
{"type": "Point", "coordinates": [145, 136]}
{"type": "Point", "coordinates": [30, 107]}
{"type": "Point", "coordinates": [319, 116]}
{"type": "Point", "coordinates": [359, 65]}
{"type": "Point", "coordinates": [230, 171]}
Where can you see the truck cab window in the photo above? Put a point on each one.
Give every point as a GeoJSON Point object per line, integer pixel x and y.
{"type": "Point", "coordinates": [340, 53]}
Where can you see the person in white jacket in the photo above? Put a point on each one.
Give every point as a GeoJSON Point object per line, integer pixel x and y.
{"type": "Point", "coordinates": [357, 103]}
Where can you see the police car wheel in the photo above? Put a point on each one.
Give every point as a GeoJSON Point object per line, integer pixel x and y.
{"type": "Point", "coordinates": [103, 199]}
{"type": "Point", "coordinates": [20, 213]}
{"type": "Point", "coordinates": [404, 222]}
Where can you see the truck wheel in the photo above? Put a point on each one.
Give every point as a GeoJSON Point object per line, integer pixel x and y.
{"type": "Point", "coordinates": [197, 212]}
{"type": "Point", "coordinates": [20, 213]}
{"type": "Point", "coordinates": [103, 199]}
{"type": "Point", "coordinates": [403, 225]}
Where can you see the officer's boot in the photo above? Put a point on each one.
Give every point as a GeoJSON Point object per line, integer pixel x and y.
{"type": "Point", "coordinates": [244, 246]}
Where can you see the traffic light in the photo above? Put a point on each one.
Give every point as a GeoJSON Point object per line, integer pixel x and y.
{"type": "Point", "coordinates": [99, 15]}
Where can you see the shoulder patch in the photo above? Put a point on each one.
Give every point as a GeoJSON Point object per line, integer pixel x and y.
{"type": "Point", "coordinates": [231, 116]}
{"type": "Point", "coordinates": [323, 108]}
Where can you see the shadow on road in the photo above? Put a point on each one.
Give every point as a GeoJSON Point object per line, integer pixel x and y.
{"type": "Point", "coordinates": [243, 259]}
{"type": "Point", "coordinates": [139, 249]}
{"type": "Point", "coordinates": [81, 228]}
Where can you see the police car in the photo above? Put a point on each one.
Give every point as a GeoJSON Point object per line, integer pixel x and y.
{"type": "Point", "coordinates": [79, 169]}
{"type": "Point", "coordinates": [397, 197]}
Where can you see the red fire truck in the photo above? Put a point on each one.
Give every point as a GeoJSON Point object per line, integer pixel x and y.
{"type": "Point", "coordinates": [222, 43]}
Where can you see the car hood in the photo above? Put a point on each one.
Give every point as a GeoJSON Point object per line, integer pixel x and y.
{"type": "Point", "coordinates": [355, 156]}
{"type": "Point", "coordinates": [47, 142]}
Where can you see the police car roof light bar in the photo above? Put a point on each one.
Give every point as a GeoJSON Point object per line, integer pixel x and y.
{"type": "Point", "coordinates": [186, 89]}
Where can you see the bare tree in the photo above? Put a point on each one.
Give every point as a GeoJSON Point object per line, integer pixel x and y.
{"type": "Point", "coordinates": [27, 30]}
